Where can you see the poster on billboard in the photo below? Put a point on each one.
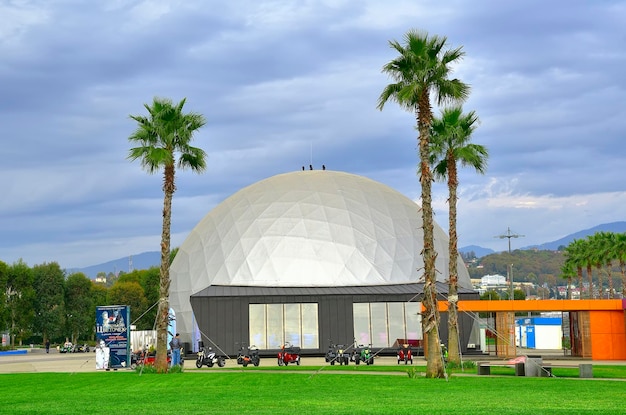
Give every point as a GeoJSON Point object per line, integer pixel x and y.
{"type": "Point", "coordinates": [112, 334]}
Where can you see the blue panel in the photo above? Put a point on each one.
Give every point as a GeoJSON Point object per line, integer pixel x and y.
{"type": "Point", "coordinates": [530, 337]}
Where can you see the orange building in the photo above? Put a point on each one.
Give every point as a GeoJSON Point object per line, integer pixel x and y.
{"type": "Point", "coordinates": [597, 327]}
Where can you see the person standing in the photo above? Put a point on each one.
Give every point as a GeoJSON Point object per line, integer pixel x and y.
{"type": "Point", "coordinates": [47, 345]}
{"type": "Point", "coordinates": [175, 345]}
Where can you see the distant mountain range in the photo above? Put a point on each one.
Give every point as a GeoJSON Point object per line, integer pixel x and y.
{"type": "Point", "coordinates": [479, 251]}
{"type": "Point", "coordinates": [153, 259]}
{"type": "Point", "coordinates": [140, 261]}
{"type": "Point", "coordinates": [615, 227]}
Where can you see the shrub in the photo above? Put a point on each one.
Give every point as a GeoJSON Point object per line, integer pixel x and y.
{"type": "Point", "coordinates": [466, 364]}
{"type": "Point", "coordinates": [412, 372]}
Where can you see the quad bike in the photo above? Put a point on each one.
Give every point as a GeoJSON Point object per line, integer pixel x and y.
{"type": "Point", "coordinates": [288, 354]}
{"type": "Point", "coordinates": [248, 355]}
{"type": "Point", "coordinates": [209, 358]}
{"type": "Point", "coordinates": [337, 353]}
{"type": "Point", "coordinates": [366, 355]}
{"type": "Point", "coordinates": [331, 354]}
{"type": "Point", "coordinates": [356, 354]}
{"type": "Point", "coordinates": [405, 354]}
{"type": "Point", "coordinates": [342, 356]}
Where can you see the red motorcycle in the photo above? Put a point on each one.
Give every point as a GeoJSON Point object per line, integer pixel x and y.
{"type": "Point", "coordinates": [288, 354]}
{"type": "Point", "coordinates": [405, 354]}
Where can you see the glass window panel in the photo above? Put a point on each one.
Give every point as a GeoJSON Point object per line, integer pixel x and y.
{"type": "Point", "coordinates": [274, 326]}
{"type": "Point", "coordinates": [361, 313]}
{"type": "Point", "coordinates": [413, 320]}
{"type": "Point", "coordinates": [292, 324]}
{"type": "Point", "coordinates": [397, 328]}
{"type": "Point", "coordinates": [378, 318]}
{"type": "Point", "coordinates": [257, 325]}
{"type": "Point", "coordinates": [310, 329]}
{"type": "Point", "coordinates": [271, 325]}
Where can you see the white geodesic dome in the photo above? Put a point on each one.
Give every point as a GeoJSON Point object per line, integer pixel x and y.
{"type": "Point", "coordinates": [314, 228]}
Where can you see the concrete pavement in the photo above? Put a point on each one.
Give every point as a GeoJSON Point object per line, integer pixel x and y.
{"type": "Point", "coordinates": [37, 360]}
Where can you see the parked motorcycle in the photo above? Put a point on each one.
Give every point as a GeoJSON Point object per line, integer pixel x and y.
{"type": "Point", "coordinates": [67, 347]}
{"type": "Point", "coordinates": [337, 354]}
{"type": "Point", "coordinates": [288, 354]}
{"type": "Point", "coordinates": [405, 354]}
{"type": "Point", "coordinates": [81, 348]}
{"type": "Point", "coordinates": [331, 354]}
{"type": "Point", "coordinates": [209, 358]}
{"type": "Point", "coordinates": [248, 355]}
{"type": "Point", "coordinates": [343, 356]}
{"type": "Point", "coordinates": [366, 355]}
{"type": "Point", "coordinates": [356, 354]}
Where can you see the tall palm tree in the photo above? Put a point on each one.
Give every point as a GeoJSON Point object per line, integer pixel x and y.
{"type": "Point", "coordinates": [575, 257]}
{"type": "Point", "coordinates": [450, 144]}
{"type": "Point", "coordinates": [162, 142]}
{"type": "Point", "coordinates": [567, 273]}
{"type": "Point", "coordinates": [597, 256]}
{"type": "Point", "coordinates": [620, 247]}
{"type": "Point", "coordinates": [422, 69]}
{"type": "Point", "coordinates": [610, 256]}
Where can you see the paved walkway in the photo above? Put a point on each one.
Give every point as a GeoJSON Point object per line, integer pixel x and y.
{"type": "Point", "coordinates": [38, 361]}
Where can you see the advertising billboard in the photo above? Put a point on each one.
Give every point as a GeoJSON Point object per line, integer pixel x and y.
{"type": "Point", "coordinates": [113, 336]}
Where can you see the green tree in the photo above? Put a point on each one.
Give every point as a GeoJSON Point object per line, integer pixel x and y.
{"type": "Point", "coordinates": [588, 259]}
{"type": "Point", "coordinates": [608, 246]}
{"type": "Point", "coordinates": [173, 254]}
{"type": "Point", "coordinates": [128, 293]}
{"type": "Point", "coordinates": [575, 258]}
{"type": "Point", "coordinates": [79, 305]}
{"type": "Point", "coordinates": [597, 255]}
{"type": "Point", "coordinates": [150, 284]}
{"type": "Point", "coordinates": [567, 273]}
{"type": "Point", "coordinates": [98, 297]}
{"type": "Point", "coordinates": [4, 311]}
{"type": "Point", "coordinates": [517, 294]}
{"type": "Point", "coordinates": [422, 70]}
{"type": "Point", "coordinates": [490, 295]}
{"type": "Point", "coordinates": [49, 283]}
{"type": "Point", "coordinates": [148, 279]}
{"type": "Point", "coordinates": [20, 301]}
{"type": "Point", "coordinates": [451, 144]}
{"type": "Point", "coordinates": [163, 144]}
{"type": "Point", "coordinates": [620, 248]}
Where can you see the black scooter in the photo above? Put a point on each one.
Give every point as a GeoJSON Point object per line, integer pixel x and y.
{"type": "Point", "coordinates": [248, 356]}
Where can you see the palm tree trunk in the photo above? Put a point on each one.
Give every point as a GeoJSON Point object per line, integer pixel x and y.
{"type": "Point", "coordinates": [164, 282]}
{"type": "Point", "coordinates": [569, 288]}
{"type": "Point", "coordinates": [622, 267]}
{"type": "Point", "coordinates": [430, 319]}
{"type": "Point", "coordinates": [590, 280]}
{"type": "Point", "coordinates": [454, 354]}
{"type": "Point", "coordinates": [600, 281]}
{"type": "Point", "coordinates": [609, 273]}
{"type": "Point", "coordinates": [579, 272]}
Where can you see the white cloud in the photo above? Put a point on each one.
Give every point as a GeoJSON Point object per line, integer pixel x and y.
{"type": "Point", "coordinates": [283, 84]}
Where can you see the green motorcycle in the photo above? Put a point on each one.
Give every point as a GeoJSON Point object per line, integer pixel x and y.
{"type": "Point", "coordinates": [366, 354]}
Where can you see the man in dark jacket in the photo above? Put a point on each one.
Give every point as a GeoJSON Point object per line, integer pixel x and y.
{"type": "Point", "coordinates": [175, 345]}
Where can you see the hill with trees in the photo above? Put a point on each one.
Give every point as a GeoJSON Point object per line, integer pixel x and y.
{"type": "Point", "coordinates": [536, 266]}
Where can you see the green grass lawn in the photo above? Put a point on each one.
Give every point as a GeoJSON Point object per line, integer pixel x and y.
{"type": "Point", "coordinates": [287, 391]}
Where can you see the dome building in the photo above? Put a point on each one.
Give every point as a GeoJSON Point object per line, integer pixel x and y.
{"type": "Point", "coordinates": [305, 257]}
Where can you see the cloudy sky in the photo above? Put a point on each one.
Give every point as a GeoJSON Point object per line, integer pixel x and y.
{"type": "Point", "coordinates": [289, 83]}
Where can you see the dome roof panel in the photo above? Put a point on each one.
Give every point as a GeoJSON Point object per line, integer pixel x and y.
{"type": "Point", "coordinates": [308, 228]}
